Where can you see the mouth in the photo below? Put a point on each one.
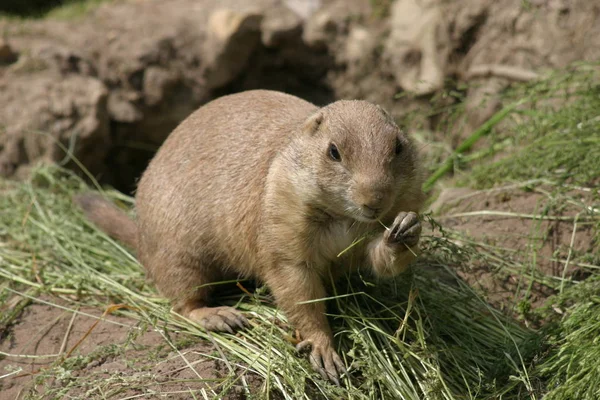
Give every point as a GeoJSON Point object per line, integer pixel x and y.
{"type": "Point", "coordinates": [365, 214]}
{"type": "Point", "coordinates": [360, 218]}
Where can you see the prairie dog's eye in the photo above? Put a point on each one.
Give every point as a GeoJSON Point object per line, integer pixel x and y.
{"type": "Point", "coordinates": [334, 153]}
{"type": "Point", "coordinates": [399, 147]}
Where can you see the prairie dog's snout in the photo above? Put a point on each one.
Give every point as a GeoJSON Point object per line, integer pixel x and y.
{"type": "Point", "coordinates": [372, 196]}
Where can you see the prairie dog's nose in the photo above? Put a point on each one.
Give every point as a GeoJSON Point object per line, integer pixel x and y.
{"type": "Point", "coordinates": [370, 194]}
{"type": "Point", "coordinates": [373, 201]}
{"type": "Point", "coordinates": [372, 204]}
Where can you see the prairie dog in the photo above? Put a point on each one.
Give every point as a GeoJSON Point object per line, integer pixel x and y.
{"type": "Point", "coordinates": [263, 184]}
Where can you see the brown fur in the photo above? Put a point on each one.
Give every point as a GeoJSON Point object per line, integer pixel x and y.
{"type": "Point", "coordinates": [108, 218]}
{"type": "Point", "coordinates": [245, 186]}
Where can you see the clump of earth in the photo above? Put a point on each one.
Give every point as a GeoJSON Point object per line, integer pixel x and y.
{"type": "Point", "coordinates": [108, 86]}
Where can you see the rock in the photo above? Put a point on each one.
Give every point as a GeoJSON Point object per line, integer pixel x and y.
{"type": "Point", "coordinates": [41, 111]}
{"type": "Point", "coordinates": [417, 47]}
{"type": "Point", "coordinates": [320, 30]}
{"type": "Point", "coordinates": [359, 45]}
{"type": "Point", "coordinates": [62, 59]}
{"type": "Point", "coordinates": [7, 54]}
{"type": "Point", "coordinates": [279, 26]}
{"type": "Point", "coordinates": [343, 29]}
{"type": "Point", "coordinates": [303, 8]}
{"type": "Point", "coordinates": [121, 109]}
{"type": "Point", "coordinates": [332, 22]}
{"type": "Point", "coordinates": [157, 83]}
{"type": "Point", "coordinates": [232, 37]}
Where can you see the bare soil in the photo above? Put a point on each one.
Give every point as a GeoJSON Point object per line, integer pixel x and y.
{"type": "Point", "coordinates": [116, 358]}
{"type": "Point", "coordinates": [507, 223]}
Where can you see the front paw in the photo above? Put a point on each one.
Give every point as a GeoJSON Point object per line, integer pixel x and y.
{"type": "Point", "coordinates": [406, 229]}
{"type": "Point", "coordinates": [323, 358]}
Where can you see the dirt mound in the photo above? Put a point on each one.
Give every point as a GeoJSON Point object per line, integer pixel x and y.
{"type": "Point", "coordinates": [124, 75]}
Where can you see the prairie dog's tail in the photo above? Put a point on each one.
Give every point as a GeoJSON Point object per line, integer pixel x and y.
{"type": "Point", "coordinates": [108, 218]}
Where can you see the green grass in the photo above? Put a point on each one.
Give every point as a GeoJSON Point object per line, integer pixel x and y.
{"type": "Point", "coordinates": [571, 367]}
{"type": "Point", "coordinates": [546, 138]}
{"type": "Point", "coordinates": [553, 141]}
{"type": "Point", "coordinates": [555, 135]}
{"type": "Point", "coordinates": [547, 129]}
{"type": "Point", "coordinates": [549, 144]}
{"type": "Point", "coordinates": [59, 9]}
{"type": "Point", "coordinates": [75, 8]}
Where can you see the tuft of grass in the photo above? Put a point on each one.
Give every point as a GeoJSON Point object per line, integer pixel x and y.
{"type": "Point", "coordinates": [426, 335]}
{"type": "Point", "coordinates": [554, 140]}
{"type": "Point", "coordinates": [75, 8]}
{"type": "Point", "coordinates": [59, 9]}
{"type": "Point", "coordinates": [547, 129]}
{"type": "Point", "coordinates": [380, 8]}
{"type": "Point", "coordinates": [555, 136]}
{"type": "Point", "coordinates": [571, 365]}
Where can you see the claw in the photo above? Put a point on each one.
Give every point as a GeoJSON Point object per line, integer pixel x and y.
{"type": "Point", "coordinates": [233, 320]}
{"type": "Point", "coordinates": [223, 319]}
{"type": "Point", "coordinates": [339, 364]}
{"type": "Point", "coordinates": [323, 359]}
{"type": "Point", "coordinates": [331, 369]}
{"type": "Point", "coordinates": [406, 229]}
{"type": "Point", "coordinates": [304, 347]}
{"type": "Point", "coordinates": [317, 364]}
{"type": "Point", "coordinates": [244, 320]}
{"type": "Point", "coordinates": [221, 325]}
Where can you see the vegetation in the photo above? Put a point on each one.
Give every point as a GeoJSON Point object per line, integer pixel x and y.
{"type": "Point", "coordinates": [433, 337]}
{"type": "Point", "coordinates": [47, 8]}
{"type": "Point", "coordinates": [550, 145]}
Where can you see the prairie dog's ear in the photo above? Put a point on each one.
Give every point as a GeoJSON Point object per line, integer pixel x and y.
{"type": "Point", "coordinates": [312, 123]}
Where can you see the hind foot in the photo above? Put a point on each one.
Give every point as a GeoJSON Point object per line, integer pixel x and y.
{"type": "Point", "coordinates": [221, 319]}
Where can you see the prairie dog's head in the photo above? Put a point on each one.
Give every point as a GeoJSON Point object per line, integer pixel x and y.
{"type": "Point", "coordinates": [359, 159]}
